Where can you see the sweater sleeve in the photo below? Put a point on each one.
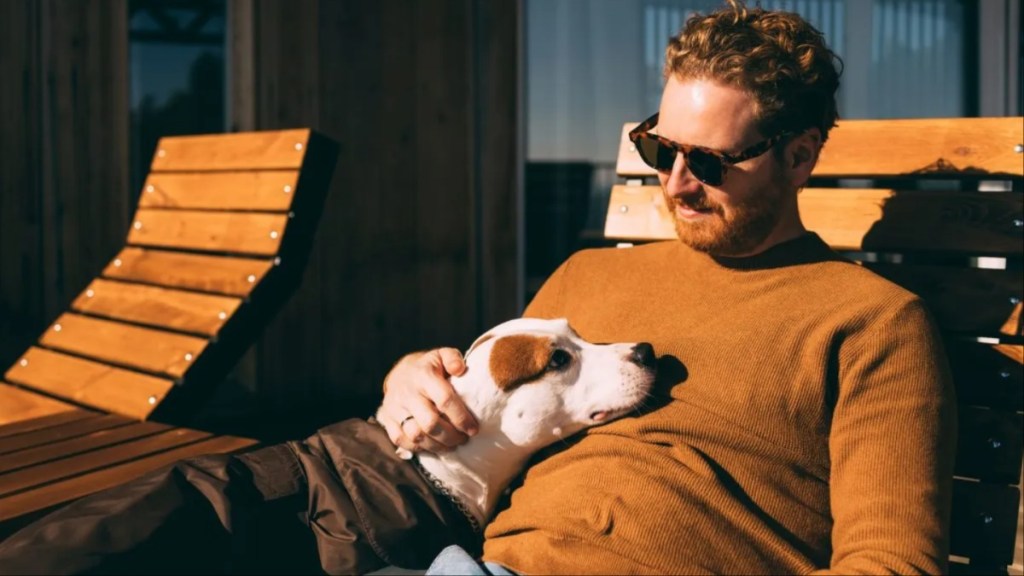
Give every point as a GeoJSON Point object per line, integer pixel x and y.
{"type": "Point", "coordinates": [892, 446]}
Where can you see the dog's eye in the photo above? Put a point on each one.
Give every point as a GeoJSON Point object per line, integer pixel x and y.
{"type": "Point", "coordinates": [559, 359]}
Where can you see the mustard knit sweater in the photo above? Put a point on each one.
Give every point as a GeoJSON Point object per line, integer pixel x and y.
{"type": "Point", "coordinates": [804, 419]}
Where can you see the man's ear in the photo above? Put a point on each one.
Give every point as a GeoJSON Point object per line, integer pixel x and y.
{"type": "Point", "coordinates": [802, 156]}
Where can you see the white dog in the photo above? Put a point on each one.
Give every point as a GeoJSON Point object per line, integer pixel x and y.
{"type": "Point", "coordinates": [530, 382]}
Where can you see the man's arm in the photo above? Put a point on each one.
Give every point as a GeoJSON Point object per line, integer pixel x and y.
{"type": "Point", "coordinates": [892, 446]}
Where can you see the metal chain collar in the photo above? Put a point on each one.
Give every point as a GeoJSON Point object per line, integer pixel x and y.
{"type": "Point", "coordinates": [440, 488]}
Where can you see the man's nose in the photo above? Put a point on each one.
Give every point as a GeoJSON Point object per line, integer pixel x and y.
{"type": "Point", "coordinates": [680, 182]}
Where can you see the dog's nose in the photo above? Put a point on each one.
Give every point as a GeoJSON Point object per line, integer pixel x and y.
{"type": "Point", "coordinates": [642, 354]}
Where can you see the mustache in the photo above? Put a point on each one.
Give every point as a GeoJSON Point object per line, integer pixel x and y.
{"type": "Point", "coordinates": [698, 201]}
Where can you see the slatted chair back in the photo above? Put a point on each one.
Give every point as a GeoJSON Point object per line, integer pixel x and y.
{"type": "Point", "coordinates": [934, 205]}
{"type": "Point", "coordinates": [220, 238]}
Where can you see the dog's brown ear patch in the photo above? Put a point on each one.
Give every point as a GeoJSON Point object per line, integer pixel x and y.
{"type": "Point", "coordinates": [518, 358]}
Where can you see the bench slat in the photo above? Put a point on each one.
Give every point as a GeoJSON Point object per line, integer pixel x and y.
{"type": "Point", "coordinates": [989, 445]}
{"type": "Point", "coordinates": [859, 219]}
{"type": "Point", "coordinates": [271, 190]}
{"type": "Point", "coordinates": [92, 383]}
{"type": "Point", "coordinates": [237, 232]}
{"type": "Point", "coordinates": [638, 213]}
{"type": "Point", "coordinates": [984, 522]}
{"type": "Point", "coordinates": [17, 405]}
{"type": "Point", "coordinates": [279, 149]}
{"type": "Point", "coordinates": [145, 348]}
{"type": "Point", "coordinates": [78, 445]}
{"type": "Point", "coordinates": [156, 306]}
{"type": "Point", "coordinates": [218, 274]}
{"type": "Point", "coordinates": [969, 300]}
{"type": "Point", "coordinates": [892, 221]}
{"type": "Point", "coordinates": [987, 376]}
{"type": "Point", "coordinates": [97, 459]}
{"type": "Point", "coordinates": [45, 436]}
{"type": "Point", "coordinates": [42, 422]}
{"type": "Point", "coordinates": [45, 495]}
{"type": "Point", "coordinates": [864, 148]}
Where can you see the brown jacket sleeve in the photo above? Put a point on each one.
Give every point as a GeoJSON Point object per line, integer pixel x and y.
{"type": "Point", "coordinates": [340, 502]}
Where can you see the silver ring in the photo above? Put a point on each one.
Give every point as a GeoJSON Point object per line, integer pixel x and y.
{"type": "Point", "coordinates": [404, 420]}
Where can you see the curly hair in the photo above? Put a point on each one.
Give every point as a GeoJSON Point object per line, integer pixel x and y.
{"type": "Point", "coordinates": [777, 57]}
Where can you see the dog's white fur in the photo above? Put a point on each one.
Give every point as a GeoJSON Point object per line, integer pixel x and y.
{"type": "Point", "coordinates": [597, 384]}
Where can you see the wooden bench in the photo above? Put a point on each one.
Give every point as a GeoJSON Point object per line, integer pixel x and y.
{"type": "Point", "coordinates": [219, 241]}
{"type": "Point", "coordinates": [936, 206]}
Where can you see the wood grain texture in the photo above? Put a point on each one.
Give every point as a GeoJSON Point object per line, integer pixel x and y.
{"type": "Point", "coordinates": [123, 344]}
{"type": "Point", "coordinates": [263, 150]}
{"type": "Point", "coordinates": [42, 495]}
{"type": "Point", "coordinates": [270, 190]}
{"type": "Point", "coordinates": [91, 383]}
{"type": "Point", "coordinates": [17, 405]}
{"type": "Point", "coordinates": [59, 432]}
{"type": "Point", "coordinates": [70, 466]}
{"type": "Point", "coordinates": [235, 232]}
{"type": "Point", "coordinates": [638, 213]}
{"type": "Point", "coordinates": [79, 445]}
{"type": "Point", "coordinates": [862, 148]}
{"type": "Point", "coordinates": [216, 274]}
{"type": "Point", "coordinates": [42, 422]}
{"type": "Point", "coordinates": [156, 306]}
{"type": "Point", "coordinates": [893, 221]}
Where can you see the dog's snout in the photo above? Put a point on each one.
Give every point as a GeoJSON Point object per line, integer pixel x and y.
{"type": "Point", "coordinates": [642, 354]}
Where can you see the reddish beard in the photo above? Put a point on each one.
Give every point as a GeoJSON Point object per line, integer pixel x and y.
{"type": "Point", "coordinates": [736, 233]}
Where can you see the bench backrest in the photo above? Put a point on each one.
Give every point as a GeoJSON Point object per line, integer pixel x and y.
{"type": "Point", "coordinates": [219, 240]}
{"type": "Point", "coordinates": [934, 205]}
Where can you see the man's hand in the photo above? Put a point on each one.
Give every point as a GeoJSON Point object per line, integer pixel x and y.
{"type": "Point", "coordinates": [421, 410]}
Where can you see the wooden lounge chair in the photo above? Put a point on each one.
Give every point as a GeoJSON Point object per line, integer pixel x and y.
{"type": "Point", "coordinates": [219, 241]}
{"type": "Point", "coordinates": [958, 242]}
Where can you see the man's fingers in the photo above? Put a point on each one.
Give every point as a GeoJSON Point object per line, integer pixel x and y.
{"type": "Point", "coordinates": [448, 403]}
{"type": "Point", "coordinates": [431, 427]}
{"type": "Point", "coordinates": [452, 361]}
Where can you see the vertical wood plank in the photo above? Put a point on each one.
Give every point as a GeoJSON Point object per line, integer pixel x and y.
{"type": "Point", "coordinates": [498, 99]}
{"type": "Point", "coordinates": [287, 76]}
{"type": "Point", "coordinates": [21, 302]}
{"type": "Point", "coordinates": [87, 202]}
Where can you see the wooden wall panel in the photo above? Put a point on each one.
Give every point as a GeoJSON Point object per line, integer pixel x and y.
{"type": "Point", "coordinates": [64, 205]}
{"type": "Point", "coordinates": [417, 243]}
{"type": "Point", "coordinates": [21, 286]}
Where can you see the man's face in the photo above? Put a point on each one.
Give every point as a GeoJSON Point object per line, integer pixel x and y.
{"type": "Point", "coordinates": [754, 207]}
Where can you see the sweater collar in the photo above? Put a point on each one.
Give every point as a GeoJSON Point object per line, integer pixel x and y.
{"type": "Point", "coordinates": [805, 249]}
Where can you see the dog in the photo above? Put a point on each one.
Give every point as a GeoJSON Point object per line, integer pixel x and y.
{"type": "Point", "coordinates": [531, 382]}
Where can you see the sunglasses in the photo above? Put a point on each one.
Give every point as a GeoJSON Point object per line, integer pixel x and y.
{"type": "Point", "coordinates": [707, 165]}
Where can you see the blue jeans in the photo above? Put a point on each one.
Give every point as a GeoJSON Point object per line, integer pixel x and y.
{"type": "Point", "coordinates": [454, 560]}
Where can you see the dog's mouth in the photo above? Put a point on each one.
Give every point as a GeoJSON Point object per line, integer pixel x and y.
{"type": "Point", "coordinates": [606, 415]}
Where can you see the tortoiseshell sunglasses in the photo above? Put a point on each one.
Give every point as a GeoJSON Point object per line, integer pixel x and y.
{"type": "Point", "coordinates": [707, 165]}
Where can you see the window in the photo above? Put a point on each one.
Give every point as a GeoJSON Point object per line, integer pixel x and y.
{"type": "Point", "coordinates": [176, 59]}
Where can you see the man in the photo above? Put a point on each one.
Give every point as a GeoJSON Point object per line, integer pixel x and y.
{"type": "Point", "coordinates": [813, 424]}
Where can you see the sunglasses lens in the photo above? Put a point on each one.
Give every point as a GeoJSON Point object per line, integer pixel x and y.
{"type": "Point", "coordinates": [705, 167]}
{"type": "Point", "coordinates": [655, 154]}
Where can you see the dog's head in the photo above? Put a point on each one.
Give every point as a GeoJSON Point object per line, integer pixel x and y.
{"type": "Point", "coordinates": [536, 380]}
